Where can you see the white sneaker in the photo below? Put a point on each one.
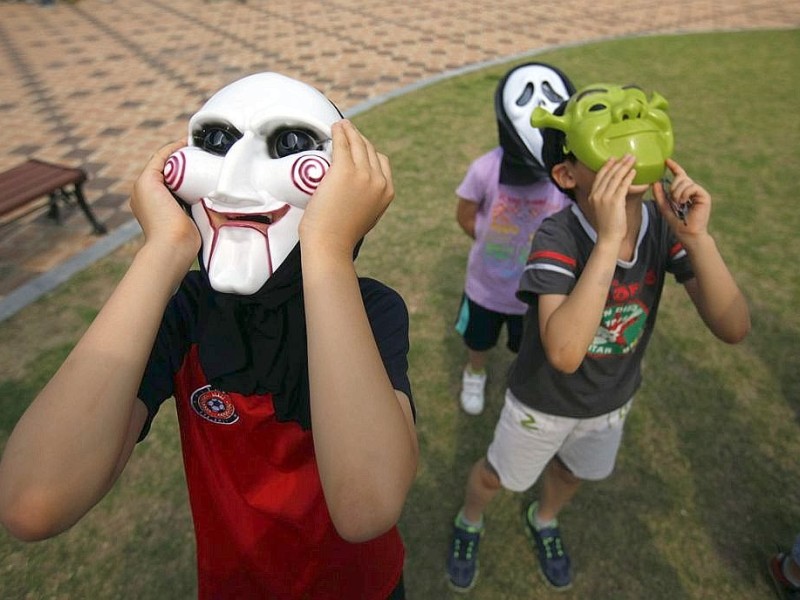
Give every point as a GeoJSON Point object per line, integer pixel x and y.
{"type": "Point", "coordinates": [472, 386]}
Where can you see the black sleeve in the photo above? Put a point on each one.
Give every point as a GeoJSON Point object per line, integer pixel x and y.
{"type": "Point", "coordinates": [388, 318]}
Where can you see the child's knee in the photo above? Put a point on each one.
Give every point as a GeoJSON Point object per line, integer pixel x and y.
{"type": "Point", "coordinates": [560, 470]}
{"type": "Point", "coordinates": [488, 475]}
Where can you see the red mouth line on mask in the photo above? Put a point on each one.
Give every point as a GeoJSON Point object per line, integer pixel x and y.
{"type": "Point", "coordinates": [259, 221]}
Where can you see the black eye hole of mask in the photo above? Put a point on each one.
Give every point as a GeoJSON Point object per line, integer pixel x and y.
{"type": "Point", "coordinates": [547, 89]}
{"type": "Point", "coordinates": [285, 142]}
{"type": "Point", "coordinates": [216, 138]}
{"type": "Point", "coordinates": [526, 95]}
{"type": "Point", "coordinates": [551, 94]}
{"type": "Point", "coordinates": [597, 107]}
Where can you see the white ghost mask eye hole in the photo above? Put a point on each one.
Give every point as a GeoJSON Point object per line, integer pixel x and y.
{"type": "Point", "coordinates": [216, 138]}
{"type": "Point", "coordinates": [552, 95]}
{"type": "Point", "coordinates": [526, 95]}
{"type": "Point", "coordinates": [286, 141]}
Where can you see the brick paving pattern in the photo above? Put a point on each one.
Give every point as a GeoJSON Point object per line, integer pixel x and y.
{"type": "Point", "coordinates": [101, 84]}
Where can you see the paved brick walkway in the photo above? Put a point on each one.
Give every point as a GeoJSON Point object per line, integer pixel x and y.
{"type": "Point", "coordinates": [101, 84]}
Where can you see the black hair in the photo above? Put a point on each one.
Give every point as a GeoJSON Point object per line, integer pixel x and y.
{"type": "Point", "coordinates": [553, 149]}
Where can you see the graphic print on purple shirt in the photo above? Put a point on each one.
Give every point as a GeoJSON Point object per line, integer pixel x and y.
{"type": "Point", "coordinates": [507, 218]}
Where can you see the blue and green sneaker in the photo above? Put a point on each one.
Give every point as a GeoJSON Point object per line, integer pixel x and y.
{"type": "Point", "coordinates": [462, 562]}
{"type": "Point", "coordinates": [554, 562]}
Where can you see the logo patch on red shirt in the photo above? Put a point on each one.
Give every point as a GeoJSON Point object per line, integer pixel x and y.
{"type": "Point", "coordinates": [214, 405]}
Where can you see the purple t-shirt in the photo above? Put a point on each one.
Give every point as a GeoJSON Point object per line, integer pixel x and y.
{"type": "Point", "coordinates": [507, 218]}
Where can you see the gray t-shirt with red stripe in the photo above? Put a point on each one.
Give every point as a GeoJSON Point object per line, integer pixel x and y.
{"type": "Point", "coordinates": [611, 371]}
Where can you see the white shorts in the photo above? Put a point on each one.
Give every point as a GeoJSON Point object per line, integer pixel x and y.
{"type": "Point", "coordinates": [525, 440]}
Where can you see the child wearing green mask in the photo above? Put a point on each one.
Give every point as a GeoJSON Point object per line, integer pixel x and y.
{"type": "Point", "coordinates": [593, 282]}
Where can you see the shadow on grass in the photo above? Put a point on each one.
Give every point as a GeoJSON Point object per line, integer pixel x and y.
{"type": "Point", "coordinates": [710, 424]}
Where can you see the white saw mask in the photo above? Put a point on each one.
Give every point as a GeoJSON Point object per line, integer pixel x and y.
{"type": "Point", "coordinates": [525, 88]}
{"type": "Point", "coordinates": [258, 149]}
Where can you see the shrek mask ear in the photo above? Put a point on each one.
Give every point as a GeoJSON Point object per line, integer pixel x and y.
{"type": "Point", "coordinates": [602, 121]}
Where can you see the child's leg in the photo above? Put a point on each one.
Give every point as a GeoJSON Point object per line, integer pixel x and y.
{"type": "Point", "coordinates": [559, 486]}
{"type": "Point", "coordinates": [476, 360]}
{"type": "Point", "coordinates": [588, 453]}
{"type": "Point", "coordinates": [480, 329]}
{"type": "Point", "coordinates": [482, 486]}
{"type": "Point", "coordinates": [516, 456]}
{"type": "Point", "coordinates": [462, 559]}
{"type": "Point", "coordinates": [523, 444]}
{"type": "Point", "coordinates": [514, 325]}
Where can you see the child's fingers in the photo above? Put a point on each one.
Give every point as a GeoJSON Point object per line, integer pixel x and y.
{"type": "Point", "coordinates": [679, 189]}
{"type": "Point", "coordinates": [386, 169]}
{"type": "Point", "coordinates": [340, 150]}
{"type": "Point", "coordinates": [687, 191]}
{"type": "Point", "coordinates": [684, 189]}
{"type": "Point", "coordinates": [620, 172]}
{"type": "Point", "coordinates": [365, 156]}
{"type": "Point", "coordinates": [660, 197]}
{"type": "Point", "coordinates": [373, 156]}
{"type": "Point", "coordinates": [160, 156]}
{"type": "Point", "coordinates": [604, 176]}
{"type": "Point", "coordinates": [366, 150]}
{"type": "Point", "coordinates": [152, 175]}
{"type": "Point", "coordinates": [676, 169]}
{"type": "Point", "coordinates": [628, 178]}
{"type": "Point", "coordinates": [357, 144]}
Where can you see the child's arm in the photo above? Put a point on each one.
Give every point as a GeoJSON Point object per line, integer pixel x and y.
{"type": "Point", "coordinates": [466, 213]}
{"type": "Point", "coordinates": [364, 434]}
{"type": "Point", "coordinates": [567, 324]}
{"type": "Point", "coordinates": [713, 290]}
{"type": "Point", "coordinates": [77, 435]}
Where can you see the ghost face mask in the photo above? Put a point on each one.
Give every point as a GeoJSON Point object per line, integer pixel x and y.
{"type": "Point", "coordinates": [258, 149]}
{"type": "Point", "coordinates": [603, 121]}
{"type": "Point", "coordinates": [522, 90]}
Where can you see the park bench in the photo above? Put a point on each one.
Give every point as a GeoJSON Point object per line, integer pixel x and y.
{"type": "Point", "coordinates": [22, 187]}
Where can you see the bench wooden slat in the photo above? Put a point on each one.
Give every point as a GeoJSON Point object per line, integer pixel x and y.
{"type": "Point", "coordinates": [34, 179]}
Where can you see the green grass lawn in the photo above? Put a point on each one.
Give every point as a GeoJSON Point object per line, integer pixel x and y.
{"type": "Point", "coordinates": [706, 482]}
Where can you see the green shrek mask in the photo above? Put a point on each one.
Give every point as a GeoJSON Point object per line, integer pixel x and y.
{"type": "Point", "coordinates": [602, 121]}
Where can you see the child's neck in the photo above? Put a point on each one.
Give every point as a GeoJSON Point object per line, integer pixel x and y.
{"type": "Point", "coordinates": [633, 213]}
{"type": "Point", "coordinates": [633, 217]}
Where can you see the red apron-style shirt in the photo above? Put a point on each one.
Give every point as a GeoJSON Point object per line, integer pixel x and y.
{"type": "Point", "coordinates": [258, 505]}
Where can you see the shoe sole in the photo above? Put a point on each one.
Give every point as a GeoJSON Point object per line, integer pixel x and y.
{"type": "Point", "coordinates": [780, 590]}
{"type": "Point", "coordinates": [535, 547]}
{"type": "Point", "coordinates": [462, 590]}
{"type": "Point", "coordinates": [471, 413]}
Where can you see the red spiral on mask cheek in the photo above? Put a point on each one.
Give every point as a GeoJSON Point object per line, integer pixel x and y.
{"type": "Point", "coordinates": [307, 173]}
{"type": "Point", "coordinates": [175, 171]}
